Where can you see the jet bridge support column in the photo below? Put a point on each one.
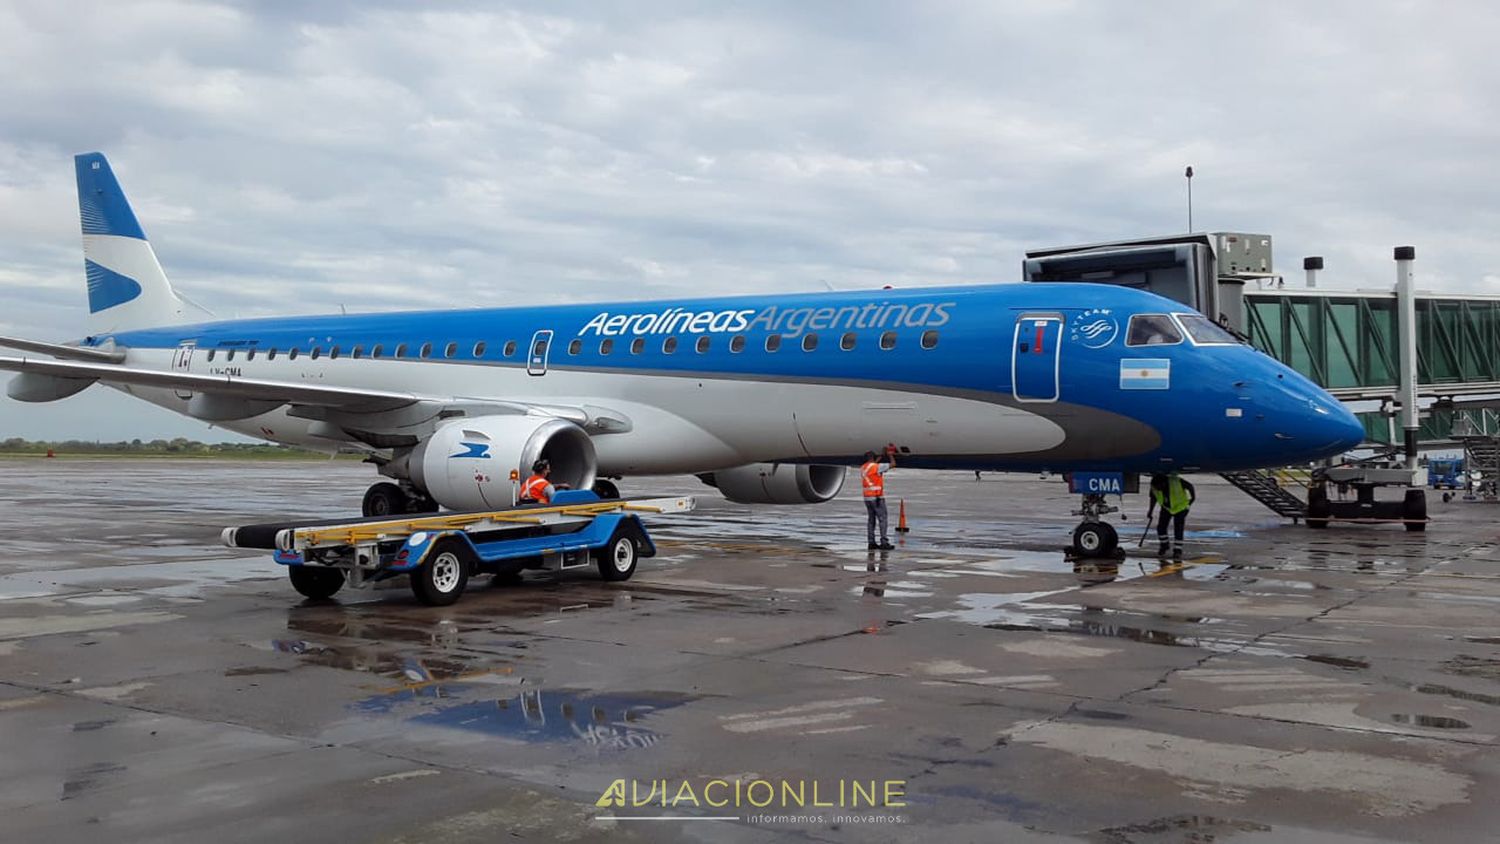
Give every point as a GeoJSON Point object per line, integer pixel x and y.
{"type": "Point", "coordinates": [1406, 323]}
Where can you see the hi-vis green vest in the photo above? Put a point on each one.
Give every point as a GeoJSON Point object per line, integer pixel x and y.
{"type": "Point", "coordinates": [1176, 497]}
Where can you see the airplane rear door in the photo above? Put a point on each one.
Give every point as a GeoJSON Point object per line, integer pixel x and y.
{"type": "Point", "coordinates": [1035, 357]}
{"type": "Point", "coordinates": [182, 361]}
{"type": "Point", "coordinates": [536, 358]}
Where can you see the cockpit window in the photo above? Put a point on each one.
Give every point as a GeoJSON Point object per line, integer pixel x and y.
{"type": "Point", "coordinates": [1203, 330]}
{"type": "Point", "coordinates": [1152, 330]}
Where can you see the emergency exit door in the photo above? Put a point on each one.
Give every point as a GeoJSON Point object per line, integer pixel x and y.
{"type": "Point", "coordinates": [536, 357]}
{"type": "Point", "coordinates": [1035, 357]}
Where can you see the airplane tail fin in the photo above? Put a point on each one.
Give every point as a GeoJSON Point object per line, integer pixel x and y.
{"type": "Point", "coordinates": [127, 288]}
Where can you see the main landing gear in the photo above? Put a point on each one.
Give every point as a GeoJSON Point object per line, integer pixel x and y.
{"type": "Point", "coordinates": [388, 499]}
{"type": "Point", "coordinates": [1095, 537]}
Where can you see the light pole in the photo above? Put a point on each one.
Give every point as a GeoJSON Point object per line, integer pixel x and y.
{"type": "Point", "coordinates": [1189, 175]}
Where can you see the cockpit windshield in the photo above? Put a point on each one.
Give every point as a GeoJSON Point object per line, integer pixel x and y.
{"type": "Point", "coordinates": [1152, 330]}
{"type": "Point", "coordinates": [1203, 330]}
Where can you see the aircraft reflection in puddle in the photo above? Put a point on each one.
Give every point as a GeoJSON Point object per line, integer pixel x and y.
{"type": "Point", "coordinates": [601, 720]}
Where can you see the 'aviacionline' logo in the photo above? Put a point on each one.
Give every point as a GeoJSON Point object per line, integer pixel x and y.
{"type": "Point", "coordinates": [794, 801]}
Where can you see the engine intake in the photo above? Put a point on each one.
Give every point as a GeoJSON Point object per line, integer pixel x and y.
{"type": "Point", "coordinates": [466, 463]}
{"type": "Point", "coordinates": [778, 483]}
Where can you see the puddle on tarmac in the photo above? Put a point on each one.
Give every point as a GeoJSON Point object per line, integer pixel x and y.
{"type": "Point", "coordinates": [1456, 694]}
{"type": "Point", "coordinates": [600, 720]}
{"type": "Point", "coordinates": [1435, 722]}
{"type": "Point", "coordinates": [1337, 661]}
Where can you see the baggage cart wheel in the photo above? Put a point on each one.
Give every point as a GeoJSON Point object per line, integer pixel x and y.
{"type": "Point", "coordinates": [606, 489]}
{"type": "Point", "coordinates": [316, 582]}
{"type": "Point", "coordinates": [443, 575]}
{"type": "Point", "coordinates": [617, 559]}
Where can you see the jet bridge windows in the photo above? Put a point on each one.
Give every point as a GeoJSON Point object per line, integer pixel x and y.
{"type": "Point", "coordinates": [1152, 330]}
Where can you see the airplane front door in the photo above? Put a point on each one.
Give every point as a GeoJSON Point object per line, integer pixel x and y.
{"type": "Point", "coordinates": [1035, 357]}
{"type": "Point", "coordinates": [536, 358]}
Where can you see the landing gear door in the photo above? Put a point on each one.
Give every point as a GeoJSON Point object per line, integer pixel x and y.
{"type": "Point", "coordinates": [1035, 357]}
{"type": "Point", "coordinates": [536, 357]}
{"type": "Point", "coordinates": [182, 361]}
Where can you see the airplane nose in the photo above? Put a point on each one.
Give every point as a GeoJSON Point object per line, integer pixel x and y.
{"type": "Point", "coordinates": [1340, 428]}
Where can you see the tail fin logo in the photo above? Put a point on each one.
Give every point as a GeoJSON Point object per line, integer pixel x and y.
{"type": "Point", "coordinates": [108, 288]}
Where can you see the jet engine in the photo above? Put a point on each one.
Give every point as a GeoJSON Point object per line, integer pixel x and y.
{"type": "Point", "coordinates": [466, 463]}
{"type": "Point", "coordinates": [777, 483]}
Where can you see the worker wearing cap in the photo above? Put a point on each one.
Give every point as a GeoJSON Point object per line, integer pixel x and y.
{"type": "Point", "coordinates": [1174, 495]}
{"type": "Point", "coordinates": [538, 489]}
{"type": "Point", "coordinates": [872, 480]}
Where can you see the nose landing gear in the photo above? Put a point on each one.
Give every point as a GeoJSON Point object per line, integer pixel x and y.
{"type": "Point", "coordinates": [1095, 537]}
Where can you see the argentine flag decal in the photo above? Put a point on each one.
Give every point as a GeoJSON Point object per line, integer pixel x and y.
{"type": "Point", "coordinates": [1145, 373]}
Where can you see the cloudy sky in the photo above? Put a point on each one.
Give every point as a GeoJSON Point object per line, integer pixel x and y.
{"type": "Point", "coordinates": [287, 157]}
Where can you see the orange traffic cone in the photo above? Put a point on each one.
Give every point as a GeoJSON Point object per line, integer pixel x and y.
{"type": "Point", "coordinates": [901, 519]}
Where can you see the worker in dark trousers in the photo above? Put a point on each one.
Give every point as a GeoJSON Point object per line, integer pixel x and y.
{"type": "Point", "coordinates": [872, 480]}
{"type": "Point", "coordinates": [1174, 495]}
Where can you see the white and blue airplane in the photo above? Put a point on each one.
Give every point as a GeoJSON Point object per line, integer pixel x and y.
{"type": "Point", "coordinates": [767, 398]}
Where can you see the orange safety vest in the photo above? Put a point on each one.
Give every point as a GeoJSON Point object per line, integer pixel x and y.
{"type": "Point", "coordinates": [535, 489]}
{"type": "Point", "coordinates": [872, 480]}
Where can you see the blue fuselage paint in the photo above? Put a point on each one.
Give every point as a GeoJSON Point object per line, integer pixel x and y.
{"type": "Point", "coordinates": [1056, 351]}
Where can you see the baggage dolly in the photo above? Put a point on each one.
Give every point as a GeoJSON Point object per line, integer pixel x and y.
{"type": "Point", "coordinates": [441, 551]}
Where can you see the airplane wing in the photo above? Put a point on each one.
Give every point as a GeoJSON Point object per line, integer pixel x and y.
{"type": "Point", "coordinates": [281, 392]}
{"type": "Point", "coordinates": [224, 397]}
{"type": "Point", "coordinates": [66, 352]}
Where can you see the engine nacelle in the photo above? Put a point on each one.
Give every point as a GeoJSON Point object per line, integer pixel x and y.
{"type": "Point", "coordinates": [466, 463]}
{"type": "Point", "coordinates": [778, 483]}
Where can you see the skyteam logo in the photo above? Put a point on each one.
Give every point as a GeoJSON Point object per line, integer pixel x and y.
{"type": "Point", "coordinates": [479, 451]}
{"type": "Point", "coordinates": [1094, 328]}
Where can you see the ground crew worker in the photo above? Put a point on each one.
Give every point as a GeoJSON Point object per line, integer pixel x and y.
{"type": "Point", "coordinates": [872, 479]}
{"type": "Point", "coordinates": [537, 489]}
{"type": "Point", "coordinates": [1174, 495]}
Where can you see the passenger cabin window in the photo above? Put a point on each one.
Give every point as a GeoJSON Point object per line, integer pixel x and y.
{"type": "Point", "coordinates": [888, 340]}
{"type": "Point", "coordinates": [400, 350]}
{"type": "Point", "coordinates": [809, 342]}
{"type": "Point", "coordinates": [637, 345]}
{"type": "Point", "coordinates": [846, 342]}
{"type": "Point", "coordinates": [333, 352]}
{"type": "Point", "coordinates": [737, 343]}
{"type": "Point", "coordinates": [575, 347]}
{"type": "Point", "coordinates": [357, 352]}
{"type": "Point", "coordinates": [510, 348]}
{"type": "Point", "coordinates": [1204, 331]}
{"type": "Point", "coordinates": [929, 339]}
{"type": "Point", "coordinates": [669, 345]}
{"type": "Point", "coordinates": [376, 351]}
{"type": "Point", "coordinates": [210, 354]}
{"type": "Point", "coordinates": [317, 352]}
{"type": "Point", "coordinates": [450, 350]}
{"type": "Point", "coordinates": [425, 351]}
{"type": "Point", "coordinates": [606, 345]}
{"type": "Point", "coordinates": [702, 345]}
{"type": "Point", "coordinates": [1152, 330]}
{"type": "Point", "coordinates": [271, 355]}
{"type": "Point", "coordinates": [773, 342]}
{"type": "Point", "coordinates": [479, 349]}
{"type": "Point", "coordinates": [292, 353]}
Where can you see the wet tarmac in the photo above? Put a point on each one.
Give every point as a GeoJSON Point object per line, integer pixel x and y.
{"type": "Point", "coordinates": [1276, 684]}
